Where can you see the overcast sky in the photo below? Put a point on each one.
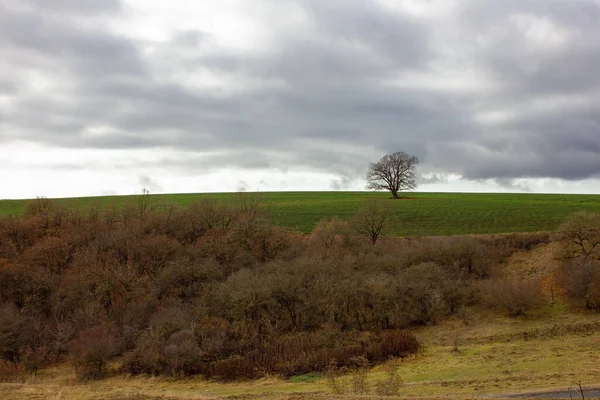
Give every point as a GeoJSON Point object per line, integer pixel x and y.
{"type": "Point", "coordinates": [108, 97]}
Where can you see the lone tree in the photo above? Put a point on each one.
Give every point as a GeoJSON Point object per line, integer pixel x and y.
{"type": "Point", "coordinates": [370, 220]}
{"type": "Point", "coordinates": [394, 172]}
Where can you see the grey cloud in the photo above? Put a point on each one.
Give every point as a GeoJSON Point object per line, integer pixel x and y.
{"type": "Point", "coordinates": [433, 178]}
{"type": "Point", "coordinates": [396, 36]}
{"type": "Point", "coordinates": [79, 7]}
{"type": "Point", "coordinates": [7, 87]}
{"type": "Point", "coordinates": [343, 183]}
{"type": "Point", "coordinates": [513, 185]}
{"type": "Point", "coordinates": [149, 184]}
{"type": "Point", "coordinates": [331, 98]}
{"type": "Point", "coordinates": [190, 38]}
{"type": "Point", "coordinates": [79, 48]}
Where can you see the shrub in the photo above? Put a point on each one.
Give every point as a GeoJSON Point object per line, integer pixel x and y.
{"type": "Point", "coordinates": [146, 358]}
{"type": "Point", "coordinates": [517, 296]}
{"type": "Point", "coordinates": [296, 354]}
{"type": "Point", "coordinates": [182, 354]}
{"type": "Point", "coordinates": [579, 279]}
{"type": "Point", "coordinates": [390, 386]}
{"type": "Point", "coordinates": [12, 371]}
{"type": "Point", "coordinates": [393, 344]}
{"type": "Point", "coordinates": [92, 349]}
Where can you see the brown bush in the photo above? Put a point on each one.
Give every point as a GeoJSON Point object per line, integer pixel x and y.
{"type": "Point", "coordinates": [330, 233]}
{"type": "Point", "coordinates": [52, 254]}
{"type": "Point", "coordinates": [92, 349]}
{"type": "Point", "coordinates": [12, 371]}
{"type": "Point", "coordinates": [183, 355]}
{"type": "Point", "coordinates": [579, 279]}
{"type": "Point", "coordinates": [516, 296]}
{"type": "Point", "coordinates": [217, 289]}
{"type": "Point", "coordinates": [393, 344]}
{"type": "Point", "coordinates": [296, 354]}
{"type": "Point", "coordinates": [153, 253]}
{"type": "Point", "coordinates": [146, 358]}
{"type": "Point", "coordinates": [581, 235]}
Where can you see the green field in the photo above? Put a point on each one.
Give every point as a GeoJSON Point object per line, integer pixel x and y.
{"type": "Point", "coordinates": [417, 214]}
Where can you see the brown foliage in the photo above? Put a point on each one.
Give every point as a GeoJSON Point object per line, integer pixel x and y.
{"type": "Point", "coordinates": [92, 349]}
{"type": "Point", "coordinates": [581, 235]}
{"type": "Point", "coordinates": [516, 296]}
{"type": "Point", "coordinates": [579, 279]}
{"type": "Point", "coordinates": [217, 289]}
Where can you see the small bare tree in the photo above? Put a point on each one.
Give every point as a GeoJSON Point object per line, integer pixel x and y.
{"type": "Point", "coordinates": [371, 219]}
{"type": "Point", "coordinates": [581, 234]}
{"type": "Point", "coordinates": [394, 172]}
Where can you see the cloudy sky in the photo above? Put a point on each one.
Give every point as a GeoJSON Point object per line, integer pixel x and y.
{"type": "Point", "coordinates": [108, 97]}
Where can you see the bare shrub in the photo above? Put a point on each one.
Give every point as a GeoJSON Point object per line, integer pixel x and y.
{"type": "Point", "coordinates": [17, 234]}
{"type": "Point", "coordinates": [296, 354]}
{"type": "Point", "coordinates": [234, 368]}
{"type": "Point", "coordinates": [393, 344]}
{"type": "Point", "coordinates": [153, 253]}
{"type": "Point", "coordinates": [38, 206]}
{"type": "Point", "coordinates": [523, 241]}
{"type": "Point", "coordinates": [516, 296]}
{"type": "Point", "coordinates": [92, 349]}
{"type": "Point", "coordinates": [579, 279]}
{"type": "Point", "coordinates": [52, 254]}
{"type": "Point", "coordinates": [33, 359]}
{"type": "Point", "coordinates": [12, 371]}
{"type": "Point", "coordinates": [462, 255]}
{"type": "Point", "coordinates": [182, 354]}
{"type": "Point", "coordinates": [328, 233]}
{"type": "Point", "coordinates": [147, 358]}
{"type": "Point", "coordinates": [332, 374]}
{"type": "Point", "coordinates": [581, 235]}
{"type": "Point", "coordinates": [13, 333]}
{"type": "Point", "coordinates": [428, 292]}
{"type": "Point", "coordinates": [390, 386]}
{"type": "Point", "coordinates": [370, 220]}
{"type": "Point", "coordinates": [168, 320]}
{"type": "Point", "coordinates": [360, 366]}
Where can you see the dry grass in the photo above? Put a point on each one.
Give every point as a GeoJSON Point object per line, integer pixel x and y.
{"type": "Point", "coordinates": [537, 263]}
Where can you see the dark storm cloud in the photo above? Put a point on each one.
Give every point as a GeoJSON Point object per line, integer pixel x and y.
{"type": "Point", "coordinates": [357, 81]}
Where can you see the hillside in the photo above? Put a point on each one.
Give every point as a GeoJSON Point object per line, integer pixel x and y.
{"type": "Point", "coordinates": [424, 214]}
{"type": "Point", "coordinates": [214, 300]}
{"type": "Point", "coordinates": [479, 353]}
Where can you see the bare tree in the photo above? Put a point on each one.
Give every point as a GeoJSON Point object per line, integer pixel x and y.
{"type": "Point", "coordinates": [370, 220]}
{"type": "Point", "coordinates": [581, 235]}
{"type": "Point", "coordinates": [394, 172]}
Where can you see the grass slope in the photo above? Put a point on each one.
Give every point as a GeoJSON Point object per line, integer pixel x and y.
{"type": "Point", "coordinates": [418, 214]}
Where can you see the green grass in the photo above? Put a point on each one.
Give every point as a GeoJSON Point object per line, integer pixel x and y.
{"type": "Point", "coordinates": [419, 214]}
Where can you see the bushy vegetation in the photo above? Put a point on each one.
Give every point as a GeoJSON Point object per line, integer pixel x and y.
{"type": "Point", "coordinates": [217, 289]}
{"type": "Point", "coordinates": [579, 276]}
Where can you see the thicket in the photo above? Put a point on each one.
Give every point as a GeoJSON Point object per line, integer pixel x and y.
{"type": "Point", "coordinates": [579, 276]}
{"type": "Point", "coordinates": [217, 289]}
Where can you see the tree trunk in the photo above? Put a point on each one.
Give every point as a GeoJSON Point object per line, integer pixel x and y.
{"type": "Point", "coordinates": [394, 194]}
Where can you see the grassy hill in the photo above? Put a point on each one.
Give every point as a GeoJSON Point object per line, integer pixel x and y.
{"type": "Point", "coordinates": [478, 350]}
{"type": "Point", "coordinates": [416, 214]}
